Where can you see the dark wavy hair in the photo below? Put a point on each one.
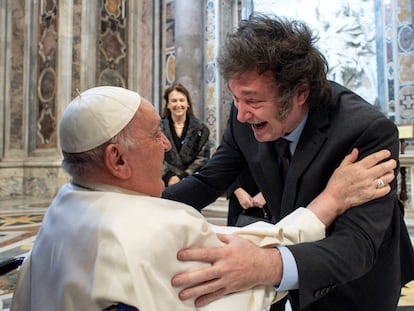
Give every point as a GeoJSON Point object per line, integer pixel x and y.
{"type": "Point", "coordinates": [284, 47]}
{"type": "Point", "coordinates": [179, 88]}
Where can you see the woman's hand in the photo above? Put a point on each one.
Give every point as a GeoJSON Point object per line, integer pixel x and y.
{"type": "Point", "coordinates": [245, 200]}
{"type": "Point", "coordinates": [259, 200]}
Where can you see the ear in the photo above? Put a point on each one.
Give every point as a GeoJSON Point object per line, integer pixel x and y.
{"type": "Point", "coordinates": [302, 93]}
{"type": "Point", "coordinates": [116, 163]}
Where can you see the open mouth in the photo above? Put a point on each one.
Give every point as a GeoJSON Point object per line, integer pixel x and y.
{"type": "Point", "coordinates": [259, 125]}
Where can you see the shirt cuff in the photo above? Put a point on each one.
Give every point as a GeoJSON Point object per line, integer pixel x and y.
{"type": "Point", "coordinates": [290, 278]}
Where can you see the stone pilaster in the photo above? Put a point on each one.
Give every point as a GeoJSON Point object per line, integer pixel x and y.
{"type": "Point", "coordinates": [189, 50]}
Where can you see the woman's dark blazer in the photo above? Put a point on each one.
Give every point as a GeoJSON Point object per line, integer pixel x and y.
{"type": "Point", "coordinates": [194, 152]}
{"type": "Point", "coordinates": [367, 255]}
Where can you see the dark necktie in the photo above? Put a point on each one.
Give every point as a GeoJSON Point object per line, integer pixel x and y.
{"type": "Point", "coordinates": [282, 147]}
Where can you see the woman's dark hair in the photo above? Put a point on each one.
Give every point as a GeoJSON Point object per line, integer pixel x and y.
{"type": "Point", "coordinates": [179, 88]}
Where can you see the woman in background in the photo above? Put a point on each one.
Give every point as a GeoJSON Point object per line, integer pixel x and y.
{"type": "Point", "coordinates": [189, 137]}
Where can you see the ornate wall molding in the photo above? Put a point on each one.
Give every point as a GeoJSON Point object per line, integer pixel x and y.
{"type": "Point", "coordinates": [112, 65]}
{"type": "Point", "coordinates": [45, 105]}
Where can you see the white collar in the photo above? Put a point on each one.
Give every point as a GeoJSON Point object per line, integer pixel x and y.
{"type": "Point", "coordinates": [91, 186]}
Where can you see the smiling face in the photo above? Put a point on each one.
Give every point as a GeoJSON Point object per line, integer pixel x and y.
{"type": "Point", "coordinates": [177, 104]}
{"type": "Point", "coordinates": [259, 104]}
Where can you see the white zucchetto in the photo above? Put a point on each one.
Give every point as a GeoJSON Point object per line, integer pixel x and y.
{"type": "Point", "coordinates": [95, 116]}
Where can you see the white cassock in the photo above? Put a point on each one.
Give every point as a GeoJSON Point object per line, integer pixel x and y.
{"type": "Point", "coordinates": [99, 248]}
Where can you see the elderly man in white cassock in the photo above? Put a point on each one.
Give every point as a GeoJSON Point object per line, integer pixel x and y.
{"type": "Point", "coordinates": [108, 241]}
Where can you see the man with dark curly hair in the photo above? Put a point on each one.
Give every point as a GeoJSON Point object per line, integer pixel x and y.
{"type": "Point", "coordinates": [281, 93]}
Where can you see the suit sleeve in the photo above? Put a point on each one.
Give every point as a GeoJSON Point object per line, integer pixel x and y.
{"type": "Point", "coordinates": [213, 179]}
{"type": "Point", "coordinates": [354, 239]}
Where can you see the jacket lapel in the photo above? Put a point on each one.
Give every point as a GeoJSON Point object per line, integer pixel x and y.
{"type": "Point", "coordinates": [310, 143]}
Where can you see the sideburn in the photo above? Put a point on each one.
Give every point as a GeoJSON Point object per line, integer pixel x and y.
{"type": "Point", "coordinates": [285, 107]}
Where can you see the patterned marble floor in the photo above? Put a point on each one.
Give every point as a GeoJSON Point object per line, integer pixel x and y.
{"type": "Point", "coordinates": [20, 220]}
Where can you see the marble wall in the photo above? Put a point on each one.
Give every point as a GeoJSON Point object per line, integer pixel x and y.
{"type": "Point", "coordinates": [16, 130]}
{"type": "Point", "coordinates": [218, 17]}
{"type": "Point", "coordinates": [50, 49]}
{"type": "Point", "coordinates": [399, 61]}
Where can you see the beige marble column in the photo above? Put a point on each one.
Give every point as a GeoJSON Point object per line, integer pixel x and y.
{"type": "Point", "coordinates": [189, 50]}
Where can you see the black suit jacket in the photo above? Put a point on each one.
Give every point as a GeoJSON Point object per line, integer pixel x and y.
{"type": "Point", "coordinates": [367, 255]}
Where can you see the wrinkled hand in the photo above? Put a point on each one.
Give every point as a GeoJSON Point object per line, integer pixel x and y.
{"type": "Point", "coordinates": [259, 200]}
{"type": "Point", "coordinates": [237, 266]}
{"type": "Point", "coordinates": [354, 183]}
